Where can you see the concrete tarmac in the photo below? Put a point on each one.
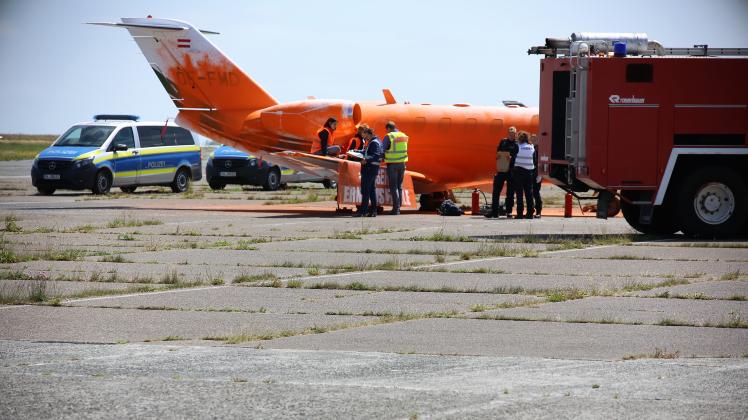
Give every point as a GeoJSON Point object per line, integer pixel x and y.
{"type": "Point", "coordinates": [239, 303]}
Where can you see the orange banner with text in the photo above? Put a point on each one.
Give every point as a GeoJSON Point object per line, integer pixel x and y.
{"type": "Point", "coordinates": [349, 186]}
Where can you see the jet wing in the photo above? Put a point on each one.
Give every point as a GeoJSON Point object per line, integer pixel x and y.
{"type": "Point", "coordinates": [323, 166]}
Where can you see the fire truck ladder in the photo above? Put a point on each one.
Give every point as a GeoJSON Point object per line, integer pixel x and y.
{"type": "Point", "coordinates": [576, 118]}
{"type": "Point", "coordinates": [703, 51]}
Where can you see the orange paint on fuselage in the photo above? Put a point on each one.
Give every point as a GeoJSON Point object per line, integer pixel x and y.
{"type": "Point", "coordinates": [452, 146]}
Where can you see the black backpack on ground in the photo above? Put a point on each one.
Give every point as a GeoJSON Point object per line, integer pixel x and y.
{"type": "Point", "coordinates": [448, 208]}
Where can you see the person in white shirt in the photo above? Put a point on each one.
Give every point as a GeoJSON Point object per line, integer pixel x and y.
{"type": "Point", "coordinates": [538, 180]}
{"type": "Point", "coordinates": [522, 176]}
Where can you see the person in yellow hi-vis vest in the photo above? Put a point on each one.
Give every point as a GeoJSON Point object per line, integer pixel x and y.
{"type": "Point", "coordinates": [395, 155]}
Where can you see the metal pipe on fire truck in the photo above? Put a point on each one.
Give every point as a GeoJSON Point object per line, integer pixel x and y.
{"type": "Point", "coordinates": [664, 136]}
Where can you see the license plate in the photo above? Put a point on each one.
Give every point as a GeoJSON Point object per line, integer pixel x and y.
{"type": "Point", "coordinates": [51, 176]}
{"type": "Point", "coordinates": [227, 174]}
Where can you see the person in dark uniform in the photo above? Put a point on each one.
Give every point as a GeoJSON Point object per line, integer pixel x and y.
{"type": "Point", "coordinates": [523, 176]}
{"type": "Point", "coordinates": [323, 144]}
{"type": "Point", "coordinates": [506, 152]}
{"type": "Point", "coordinates": [369, 171]}
{"type": "Point", "coordinates": [538, 181]}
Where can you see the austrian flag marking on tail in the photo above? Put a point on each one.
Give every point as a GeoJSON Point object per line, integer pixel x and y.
{"type": "Point", "coordinates": [183, 43]}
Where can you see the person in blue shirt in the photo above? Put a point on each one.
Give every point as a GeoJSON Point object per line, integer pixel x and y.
{"type": "Point", "coordinates": [369, 170]}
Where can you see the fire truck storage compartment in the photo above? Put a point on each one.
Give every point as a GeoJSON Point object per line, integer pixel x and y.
{"type": "Point", "coordinates": [560, 93]}
{"type": "Point", "coordinates": [709, 126]}
{"type": "Point", "coordinates": [626, 136]}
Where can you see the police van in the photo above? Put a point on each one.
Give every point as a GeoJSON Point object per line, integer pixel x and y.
{"type": "Point", "coordinates": [227, 165]}
{"type": "Point", "coordinates": [118, 151]}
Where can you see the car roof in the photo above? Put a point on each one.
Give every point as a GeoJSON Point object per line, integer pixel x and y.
{"type": "Point", "coordinates": [128, 123]}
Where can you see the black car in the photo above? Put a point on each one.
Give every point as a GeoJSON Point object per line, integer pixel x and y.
{"type": "Point", "coordinates": [227, 165]}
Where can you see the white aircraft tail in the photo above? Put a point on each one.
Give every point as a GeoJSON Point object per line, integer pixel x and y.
{"type": "Point", "coordinates": [195, 74]}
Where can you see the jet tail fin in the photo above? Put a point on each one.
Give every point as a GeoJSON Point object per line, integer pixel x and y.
{"type": "Point", "coordinates": [194, 72]}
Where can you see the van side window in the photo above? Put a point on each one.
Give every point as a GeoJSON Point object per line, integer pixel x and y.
{"type": "Point", "coordinates": [639, 73]}
{"type": "Point", "coordinates": [150, 136]}
{"type": "Point", "coordinates": [123, 136]}
{"type": "Point", "coordinates": [177, 136]}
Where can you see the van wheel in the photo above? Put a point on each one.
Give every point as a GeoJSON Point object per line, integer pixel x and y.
{"type": "Point", "coordinates": [181, 181]}
{"type": "Point", "coordinates": [128, 190]}
{"type": "Point", "coordinates": [273, 180]}
{"type": "Point", "coordinates": [216, 185]}
{"type": "Point", "coordinates": [102, 183]}
{"type": "Point", "coordinates": [712, 203]}
{"type": "Point", "coordinates": [45, 190]}
{"type": "Point", "coordinates": [328, 183]}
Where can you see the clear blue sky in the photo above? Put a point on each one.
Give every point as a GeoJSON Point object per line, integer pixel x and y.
{"type": "Point", "coordinates": [54, 70]}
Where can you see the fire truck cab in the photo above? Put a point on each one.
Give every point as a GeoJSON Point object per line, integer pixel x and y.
{"type": "Point", "coordinates": [662, 130]}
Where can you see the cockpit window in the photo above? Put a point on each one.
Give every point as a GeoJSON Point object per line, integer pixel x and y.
{"type": "Point", "coordinates": [85, 136]}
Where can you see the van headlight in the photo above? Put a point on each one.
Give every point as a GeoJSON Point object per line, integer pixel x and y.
{"type": "Point", "coordinates": [82, 163]}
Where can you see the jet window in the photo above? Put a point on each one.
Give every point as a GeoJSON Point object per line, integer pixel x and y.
{"type": "Point", "coordinates": [85, 136]}
{"type": "Point", "coordinates": [495, 128]}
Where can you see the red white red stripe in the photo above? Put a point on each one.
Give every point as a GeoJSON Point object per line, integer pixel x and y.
{"type": "Point", "coordinates": [183, 43]}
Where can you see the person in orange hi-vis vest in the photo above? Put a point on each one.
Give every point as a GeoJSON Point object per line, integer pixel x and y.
{"type": "Point", "coordinates": [323, 144]}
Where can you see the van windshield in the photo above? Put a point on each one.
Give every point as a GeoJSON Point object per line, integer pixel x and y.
{"type": "Point", "coordinates": [85, 136]}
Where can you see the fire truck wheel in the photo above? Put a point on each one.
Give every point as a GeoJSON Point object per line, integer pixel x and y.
{"type": "Point", "coordinates": [662, 222]}
{"type": "Point", "coordinates": [712, 203]}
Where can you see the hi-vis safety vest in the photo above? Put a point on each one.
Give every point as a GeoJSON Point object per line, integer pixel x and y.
{"type": "Point", "coordinates": [524, 157]}
{"type": "Point", "coordinates": [317, 143]}
{"type": "Point", "coordinates": [398, 151]}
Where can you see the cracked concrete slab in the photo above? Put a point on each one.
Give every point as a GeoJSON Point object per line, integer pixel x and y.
{"type": "Point", "coordinates": [272, 258]}
{"type": "Point", "coordinates": [43, 380]}
{"type": "Point", "coordinates": [633, 310]}
{"type": "Point", "coordinates": [481, 282]}
{"type": "Point", "coordinates": [525, 339]}
{"type": "Point", "coordinates": [565, 264]}
{"type": "Point", "coordinates": [659, 252]}
{"type": "Point", "coordinates": [97, 325]}
{"type": "Point", "coordinates": [314, 301]}
{"type": "Point", "coordinates": [724, 289]}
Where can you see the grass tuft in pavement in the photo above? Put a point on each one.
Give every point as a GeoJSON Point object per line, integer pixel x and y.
{"type": "Point", "coordinates": [172, 276]}
{"type": "Point", "coordinates": [254, 278]}
{"type": "Point", "coordinates": [118, 258]}
{"type": "Point", "coordinates": [127, 221]}
{"type": "Point", "coordinates": [11, 224]}
{"type": "Point", "coordinates": [441, 236]}
{"type": "Point", "coordinates": [658, 354]}
{"type": "Point", "coordinates": [734, 275]}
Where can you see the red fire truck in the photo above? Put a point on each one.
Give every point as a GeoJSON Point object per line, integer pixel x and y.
{"type": "Point", "coordinates": [660, 130]}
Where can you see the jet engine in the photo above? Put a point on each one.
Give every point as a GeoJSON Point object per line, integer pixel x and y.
{"type": "Point", "coordinates": [302, 119]}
